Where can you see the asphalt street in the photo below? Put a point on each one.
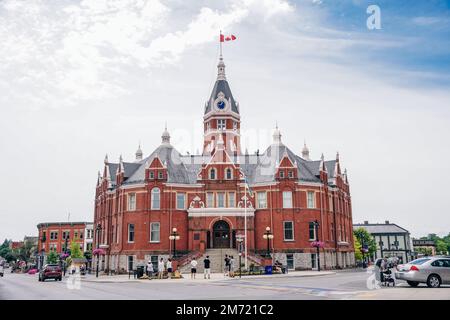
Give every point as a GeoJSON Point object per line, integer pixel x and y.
{"type": "Point", "coordinates": [342, 285]}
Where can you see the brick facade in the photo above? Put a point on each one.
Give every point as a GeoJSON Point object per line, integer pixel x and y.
{"type": "Point", "coordinates": [206, 199]}
{"type": "Point", "coordinates": [51, 235]}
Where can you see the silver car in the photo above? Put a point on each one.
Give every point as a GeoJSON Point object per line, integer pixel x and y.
{"type": "Point", "coordinates": [433, 271]}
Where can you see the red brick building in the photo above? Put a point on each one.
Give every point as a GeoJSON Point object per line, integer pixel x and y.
{"type": "Point", "coordinates": [52, 235]}
{"type": "Point", "coordinates": [137, 204]}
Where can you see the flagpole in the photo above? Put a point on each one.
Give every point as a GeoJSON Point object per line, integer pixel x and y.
{"type": "Point", "coordinates": [220, 41]}
{"type": "Point", "coordinates": [245, 222]}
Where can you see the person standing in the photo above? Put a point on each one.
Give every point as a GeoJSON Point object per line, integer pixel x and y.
{"type": "Point", "coordinates": [231, 264]}
{"type": "Point", "coordinates": [226, 268]}
{"type": "Point", "coordinates": [207, 268]}
{"type": "Point", "coordinates": [193, 268]}
{"type": "Point", "coordinates": [149, 268]}
{"type": "Point", "coordinates": [169, 268]}
{"type": "Point", "coordinates": [160, 268]}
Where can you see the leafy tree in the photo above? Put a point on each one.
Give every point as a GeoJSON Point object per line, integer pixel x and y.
{"type": "Point", "coordinates": [25, 252]}
{"type": "Point", "coordinates": [441, 246]}
{"type": "Point", "coordinates": [365, 238]}
{"type": "Point", "coordinates": [425, 251]}
{"type": "Point", "coordinates": [75, 251]}
{"type": "Point", "coordinates": [52, 257]}
{"type": "Point", "coordinates": [357, 246]}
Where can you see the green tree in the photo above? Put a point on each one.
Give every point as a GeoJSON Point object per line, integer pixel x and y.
{"type": "Point", "coordinates": [25, 252]}
{"type": "Point", "coordinates": [441, 246]}
{"type": "Point", "coordinates": [52, 257]}
{"type": "Point", "coordinates": [75, 251]}
{"type": "Point", "coordinates": [425, 251]}
{"type": "Point", "coordinates": [365, 238]}
{"type": "Point", "coordinates": [357, 246]}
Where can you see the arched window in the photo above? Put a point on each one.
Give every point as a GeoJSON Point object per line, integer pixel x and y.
{"type": "Point", "coordinates": [212, 174]}
{"type": "Point", "coordinates": [156, 201]}
{"type": "Point", "coordinates": [228, 174]}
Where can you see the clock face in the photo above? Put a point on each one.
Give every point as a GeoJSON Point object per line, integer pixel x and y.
{"type": "Point", "coordinates": [221, 105]}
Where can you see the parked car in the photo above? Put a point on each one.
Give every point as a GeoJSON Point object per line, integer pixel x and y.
{"type": "Point", "coordinates": [50, 271]}
{"type": "Point", "coordinates": [433, 271]}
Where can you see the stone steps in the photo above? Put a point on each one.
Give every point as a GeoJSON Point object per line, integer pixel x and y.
{"type": "Point", "coordinates": [216, 256]}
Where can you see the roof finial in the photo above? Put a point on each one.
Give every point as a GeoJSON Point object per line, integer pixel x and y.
{"type": "Point", "coordinates": [276, 135]}
{"type": "Point", "coordinates": [322, 157]}
{"type": "Point", "coordinates": [337, 156]}
{"type": "Point", "coordinates": [139, 153]}
{"type": "Point", "coordinates": [165, 135]}
{"type": "Point", "coordinates": [106, 159]}
{"type": "Point", "coordinates": [305, 151]}
{"type": "Point", "coordinates": [221, 65]}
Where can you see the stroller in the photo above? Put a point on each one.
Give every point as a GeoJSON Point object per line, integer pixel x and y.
{"type": "Point", "coordinates": [387, 277]}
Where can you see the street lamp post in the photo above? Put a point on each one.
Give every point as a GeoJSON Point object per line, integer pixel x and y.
{"type": "Point", "coordinates": [239, 239]}
{"type": "Point", "coordinates": [98, 229]}
{"type": "Point", "coordinates": [268, 235]}
{"type": "Point", "coordinates": [174, 236]}
{"type": "Point", "coordinates": [65, 251]}
{"type": "Point", "coordinates": [316, 226]}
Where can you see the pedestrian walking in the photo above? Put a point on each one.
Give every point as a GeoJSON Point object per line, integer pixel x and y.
{"type": "Point", "coordinates": [193, 268]}
{"type": "Point", "coordinates": [207, 268]}
{"type": "Point", "coordinates": [160, 268]}
{"type": "Point", "coordinates": [150, 268]}
{"type": "Point", "coordinates": [226, 268]}
{"type": "Point", "coordinates": [169, 268]}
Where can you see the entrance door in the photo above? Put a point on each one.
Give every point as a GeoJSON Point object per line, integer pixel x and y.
{"type": "Point", "coordinates": [221, 234]}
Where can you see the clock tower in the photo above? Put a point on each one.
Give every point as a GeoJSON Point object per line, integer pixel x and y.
{"type": "Point", "coordinates": [221, 117]}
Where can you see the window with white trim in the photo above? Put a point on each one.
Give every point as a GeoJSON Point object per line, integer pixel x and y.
{"type": "Point", "coordinates": [130, 232]}
{"type": "Point", "coordinates": [228, 174]}
{"type": "Point", "coordinates": [212, 174]}
{"type": "Point", "coordinates": [281, 174]}
{"type": "Point", "coordinates": [290, 174]}
{"type": "Point", "coordinates": [181, 201]}
{"type": "Point", "coordinates": [312, 231]}
{"type": "Point", "coordinates": [261, 200]}
{"type": "Point", "coordinates": [154, 232]}
{"type": "Point", "coordinates": [288, 228]}
{"type": "Point", "coordinates": [287, 199]}
{"type": "Point", "coordinates": [156, 199]}
{"type": "Point", "coordinates": [210, 200]}
{"type": "Point", "coordinates": [221, 124]}
{"type": "Point", "coordinates": [152, 175]}
{"type": "Point", "coordinates": [231, 200]}
{"type": "Point", "coordinates": [160, 175]}
{"type": "Point", "coordinates": [311, 203]}
{"type": "Point", "coordinates": [53, 235]}
{"type": "Point", "coordinates": [220, 199]}
{"type": "Point", "coordinates": [131, 201]}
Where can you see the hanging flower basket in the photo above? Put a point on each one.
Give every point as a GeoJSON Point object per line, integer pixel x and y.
{"type": "Point", "coordinates": [64, 255]}
{"type": "Point", "coordinates": [317, 244]}
{"type": "Point", "coordinates": [98, 251]}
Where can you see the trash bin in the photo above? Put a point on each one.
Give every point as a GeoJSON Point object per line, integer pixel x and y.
{"type": "Point", "coordinates": [268, 270]}
{"type": "Point", "coordinates": [139, 271]}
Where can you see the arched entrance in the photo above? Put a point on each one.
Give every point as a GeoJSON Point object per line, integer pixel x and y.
{"type": "Point", "coordinates": [221, 234]}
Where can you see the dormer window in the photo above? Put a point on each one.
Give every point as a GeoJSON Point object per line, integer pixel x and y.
{"type": "Point", "coordinates": [152, 175]}
{"type": "Point", "coordinates": [212, 174]}
{"type": "Point", "coordinates": [281, 174]}
{"type": "Point", "coordinates": [221, 124]}
{"type": "Point", "coordinates": [160, 175]}
{"type": "Point", "coordinates": [228, 174]}
{"type": "Point", "coordinates": [290, 174]}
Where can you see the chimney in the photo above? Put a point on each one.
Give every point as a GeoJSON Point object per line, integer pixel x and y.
{"type": "Point", "coordinates": [366, 222]}
{"type": "Point", "coordinates": [386, 222]}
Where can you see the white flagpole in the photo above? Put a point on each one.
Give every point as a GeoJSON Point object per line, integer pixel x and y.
{"type": "Point", "coordinates": [245, 222]}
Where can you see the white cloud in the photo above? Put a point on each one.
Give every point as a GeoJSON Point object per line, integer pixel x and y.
{"type": "Point", "coordinates": [61, 54]}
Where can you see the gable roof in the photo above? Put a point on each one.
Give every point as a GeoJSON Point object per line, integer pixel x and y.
{"type": "Point", "coordinates": [380, 228]}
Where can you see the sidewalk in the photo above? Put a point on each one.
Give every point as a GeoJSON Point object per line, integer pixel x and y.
{"type": "Point", "coordinates": [199, 278]}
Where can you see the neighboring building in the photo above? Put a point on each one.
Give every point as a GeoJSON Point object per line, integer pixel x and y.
{"type": "Point", "coordinates": [137, 204]}
{"type": "Point", "coordinates": [391, 240]}
{"type": "Point", "coordinates": [421, 246]}
{"type": "Point", "coordinates": [15, 245]}
{"type": "Point", "coordinates": [52, 235]}
{"type": "Point", "coordinates": [88, 237]}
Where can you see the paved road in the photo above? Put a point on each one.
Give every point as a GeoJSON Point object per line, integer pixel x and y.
{"type": "Point", "coordinates": [342, 285]}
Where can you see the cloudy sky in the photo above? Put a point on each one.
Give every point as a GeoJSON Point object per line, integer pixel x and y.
{"type": "Point", "coordinates": [79, 79]}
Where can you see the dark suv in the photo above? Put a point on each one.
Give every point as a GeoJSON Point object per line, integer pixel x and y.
{"type": "Point", "coordinates": [50, 271]}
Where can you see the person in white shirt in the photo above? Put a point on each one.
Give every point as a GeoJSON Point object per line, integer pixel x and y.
{"type": "Point", "coordinates": [149, 268]}
{"type": "Point", "coordinates": [169, 268]}
{"type": "Point", "coordinates": [160, 268]}
{"type": "Point", "coordinates": [193, 268]}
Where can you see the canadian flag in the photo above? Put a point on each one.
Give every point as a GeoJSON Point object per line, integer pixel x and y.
{"type": "Point", "coordinates": [224, 38]}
